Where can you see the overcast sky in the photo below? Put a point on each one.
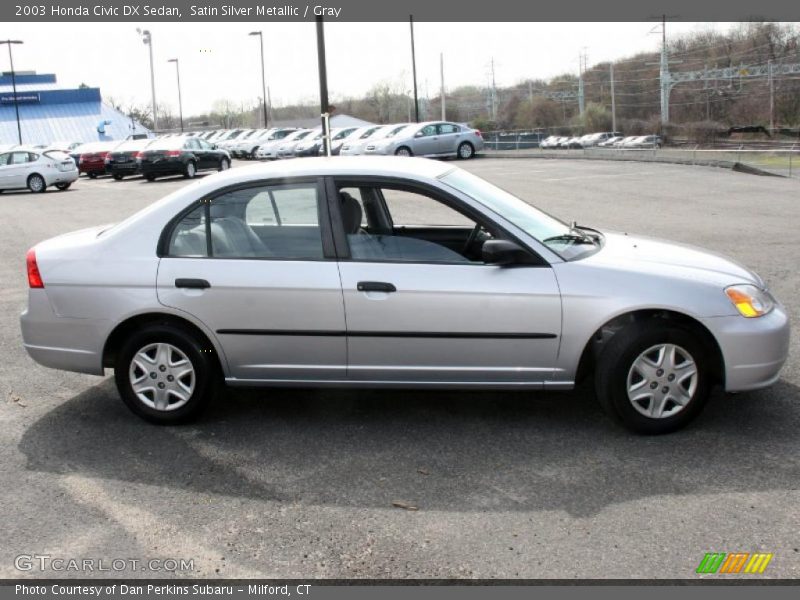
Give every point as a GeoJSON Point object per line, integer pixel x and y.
{"type": "Point", "coordinates": [219, 60]}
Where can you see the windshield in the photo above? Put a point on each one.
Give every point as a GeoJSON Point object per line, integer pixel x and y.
{"type": "Point", "coordinates": [553, 233]}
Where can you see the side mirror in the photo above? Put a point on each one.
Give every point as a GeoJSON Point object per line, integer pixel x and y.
{"type": "Point", "coordinates": [213, 146]}
{"type": "Point", "coordinates": [418, 134]}
{"type": "Point", "coordinates": [504, 253]}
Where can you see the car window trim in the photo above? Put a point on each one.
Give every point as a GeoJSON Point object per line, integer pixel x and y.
{"type": "Point", "coordinates": [334, 182]}
{"type": "Point", "coordinates": [328, 248]}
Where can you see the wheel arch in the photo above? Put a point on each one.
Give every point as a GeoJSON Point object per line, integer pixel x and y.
{"type": "Point", "coordinates": [118, 335]}
{"type": "Point", "coordinates": [595, 344]}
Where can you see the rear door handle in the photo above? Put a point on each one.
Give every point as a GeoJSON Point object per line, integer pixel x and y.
{"type": "Point", "coordinates": [375, 286]}
{"type": "Point", "coordinates": [194, 284]}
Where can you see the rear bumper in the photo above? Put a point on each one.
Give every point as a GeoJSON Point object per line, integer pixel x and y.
{"type": "Point", "coordinates": [59, 342]}
{"type": "Point", "coordinates": [754, 350]}
{"type": "Point", "coordinates": [163, 167]}
{"type": "Point", "coordinates": [63, 177]}
{"type": "Point", "coordinates": [129, 168]}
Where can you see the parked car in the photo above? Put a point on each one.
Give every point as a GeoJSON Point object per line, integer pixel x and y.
{"type": "Point", "coordinates": [549, 142]}
{"type": "Point", "coordinates": [357, 134]}
{"type": "Point", "coordinates": [355, 148]}
{"type": "Point", "coordinates": [249, 148]}
{"type": "Point", "coordinates": [287, 148]}
{"type": "Point", "coordinates": [492, 294]}
{"type": "Point", "coordinates": [91, 157]}
{"type": "Point", "coordinates": [573, 143]}
{"type": "Point", "coordinates": [610, 141]}
{"type": "Point", "coordinates": [562, 143]}
{"type": "Point", "coordinates": [269, 149]}
{"type": "Point", "coordinates": [27, 167]}
{"type": "Point", "coordinates": [432, 139]}
{"type": "Point", "coordinates": [625, 141]}
{"type": "Point", "coordinates": [597, 139]}
{"type": "Point", "coordinates": [181, 156]}
{"type": "Point", "coordinates": [338, 135]}
{"type": "Point", "coordinates": [646, 141]}
{"type": "Point", "coordinates": [122, 160]}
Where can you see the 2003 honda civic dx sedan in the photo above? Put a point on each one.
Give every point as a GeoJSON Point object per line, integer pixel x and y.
{"type": "Point", "coordinates": [393, 272]}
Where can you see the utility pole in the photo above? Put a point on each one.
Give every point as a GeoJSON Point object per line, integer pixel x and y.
{"type": "Point", "coordinates": [493, 95]}
{"type": "Point", "coordinates": [771, 99]}
{"type": "Point", "coordinates": [180, 102]}
{"type": "Point", "coordinates": [581, 100]}
{"type": "Point", "coordinates": [323, 88]}
{"type": "Point", "coordinates": [530, 91]}
{"type": "Point", "coordinates": [664, 76]}
{"type": "Point", "coordinates": [263, 77]}
{"type": "Point", "coordinates": [441, 69]}
{"type": "Point", "coordinates": [414, 68]}
{"type": "Point", "coordinates": [613, 100]}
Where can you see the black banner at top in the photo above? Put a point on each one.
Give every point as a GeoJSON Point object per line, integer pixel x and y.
{"type": "Point", "coordinates": [374, 10]}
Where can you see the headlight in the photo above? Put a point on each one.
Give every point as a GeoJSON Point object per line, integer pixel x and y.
{"type": "Point", "coordinates": [749, 300]}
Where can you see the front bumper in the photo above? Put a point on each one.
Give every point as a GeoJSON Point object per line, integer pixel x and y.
{"type": "Point", "coordinates": [754, 350]}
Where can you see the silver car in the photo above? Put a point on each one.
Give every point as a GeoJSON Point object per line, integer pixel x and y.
{"type": "Point", "coordinates": [389, 272]}
{"type": "Point", "coordinates": [433, 139]}
{"type": "Point", "coordinates": [357, 148]}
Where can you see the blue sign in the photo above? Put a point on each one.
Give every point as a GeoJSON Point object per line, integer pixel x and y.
{"type": "Point", "coordinates": [21, 98]}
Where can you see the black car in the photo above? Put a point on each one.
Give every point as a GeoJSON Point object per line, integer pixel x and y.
{"type": "Point", "coordinates": [122, 160]}
{"type": "Point", "coordinates": [181, 156]}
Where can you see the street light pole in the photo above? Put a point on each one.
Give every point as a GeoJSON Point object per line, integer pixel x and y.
{"type": "Point", "coordinates": [263, 77]}
{"type": "Point", "coordinates": [414, 68]}
{"type": "Point", "coordinates": [147, 40]}
{"type": "Point", "coordinates": [323, 88]}
{"type": "Point", "coordinates": [14, 84]}
{"type": "Point", "coordinates": [180, 101]}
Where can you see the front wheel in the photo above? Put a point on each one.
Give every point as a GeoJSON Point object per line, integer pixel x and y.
{"type": "Point", "coordinates": [653, 377]}
{"type": "Point", "coordinates": [36, 183]}
{"type": "Point", "coordinates": [465, 151]}
{"type": "Point", "coordinates": [92, 175]}
{"type": "Point", "coordinates": [150, 177]}
{"type": "Point", "coordinates": [165, 374]}
{"type": "Point", "coordinates": [224, 164]}
{"type": "Point", "coordinates": [118, 177]}
{"type": "Point", "coordinates": [63, 186]}
{"type": "Point", "coordinates": [403, 151]}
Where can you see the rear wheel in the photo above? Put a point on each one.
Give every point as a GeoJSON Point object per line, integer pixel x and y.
{"type": "Point", "coordinates": [190, 171]}
{"type": "Point", "coordinates": [654, 377]}
{"type": "Point", "coordinates": [165, 374]}
{"type": "Point", "coordinates": [92, 175]}
{"type": "Point", "coordinates": [36, 183]}
{"type": "Point", "coordinates": [118, 177]}
{"type": "Point", "coordinates": [63, 186]}
{"type": "Point", "coordinates": [465, 151]}
{"type": "Point", "coordinates": [403, 151]}
{"type": "Point", "coordinates": [150, 177]}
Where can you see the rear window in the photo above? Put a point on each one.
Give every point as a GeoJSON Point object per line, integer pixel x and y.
{"type": "Point", "coordinates": [57, 155]}
{"type": "Point", "coordinates": [132, 145]}
{"type": "Point", "coordinates": [167, 144]}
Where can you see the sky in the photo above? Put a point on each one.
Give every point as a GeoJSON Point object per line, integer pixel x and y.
{"type": "Point", "coordinates": [219, 60]}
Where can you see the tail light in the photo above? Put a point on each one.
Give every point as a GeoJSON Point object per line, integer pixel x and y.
{"type": "Point", "coordinates": [478, 133]}
{"type": "Point", "coordinates": [34, 277]}
{"type": "Point", "coordinates": [172, 153]}
{"type": "Point", "coordinates": [137, 155]}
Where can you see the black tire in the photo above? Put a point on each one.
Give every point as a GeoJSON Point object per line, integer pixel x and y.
{"type": "Point", "coordinates": [403, 151]}
{"type": "Point", "coordinates": [63, 186]}
{"type": "Point", "coordinates": [118, 177]}
{"type": "Point", "coordinates": [36, 183]}
{"type": "Point", "coordinates": [190, 170]}
{"type": "Point", "coordinates": [201, 357]}
{"type": "Point", "coordinates": [465, 151]}
{"type": "Point", "coordinates": [92, 175]}
{"type": "Point", "coordinates": [615, 363]}
{"type": "Point", "coordinates": [150, 177]}
{"type": "Point", "coordinates": [224, 165]}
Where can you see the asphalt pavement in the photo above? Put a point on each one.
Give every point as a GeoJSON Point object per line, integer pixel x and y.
{"type": "Point", "coordinates": [411, 484]}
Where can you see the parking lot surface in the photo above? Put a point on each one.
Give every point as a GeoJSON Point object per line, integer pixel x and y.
{"type": "Point", "coordinates": [301, 483]}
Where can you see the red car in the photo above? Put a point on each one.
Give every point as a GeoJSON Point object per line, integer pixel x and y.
{"type": "Point", "coordinates": [91, 157]}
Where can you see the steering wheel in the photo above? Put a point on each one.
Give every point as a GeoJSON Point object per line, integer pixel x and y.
{"type": "Point", "coordinates": [473, 237]}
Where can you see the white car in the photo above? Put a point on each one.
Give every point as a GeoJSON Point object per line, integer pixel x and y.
{"type": "Point", "coordinates": [270, 149]}
{"type": "Point", "coordinates": [27, 167]}
{"type": "Point", "coordinates": [354, 146]}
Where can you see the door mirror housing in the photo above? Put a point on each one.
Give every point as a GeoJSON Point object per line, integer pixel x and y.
{"type": "Point", "coordinates": [418, 134]}
{"type": "Point", "coordinates": [504, 253]}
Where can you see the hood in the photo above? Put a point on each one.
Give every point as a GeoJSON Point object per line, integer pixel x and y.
{"type": "Point", "coordinates": [662, 257]}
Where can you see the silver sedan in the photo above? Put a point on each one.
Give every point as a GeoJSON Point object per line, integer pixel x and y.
{"type": "Point", "coordinates": [433, 139]}
{"type": "Point", "coordinates": [389, 272]}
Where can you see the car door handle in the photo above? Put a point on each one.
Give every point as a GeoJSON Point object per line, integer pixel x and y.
{"type": "Point", "coordinates": [375, 286]}
{"type": "Point", "coordinates": [194, 284]}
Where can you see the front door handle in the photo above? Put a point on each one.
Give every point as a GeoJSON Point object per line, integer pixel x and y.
{"type": "Point", "coordinates": [193, 284]}
{"type": "Point", "coordinates": [375, 286]}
